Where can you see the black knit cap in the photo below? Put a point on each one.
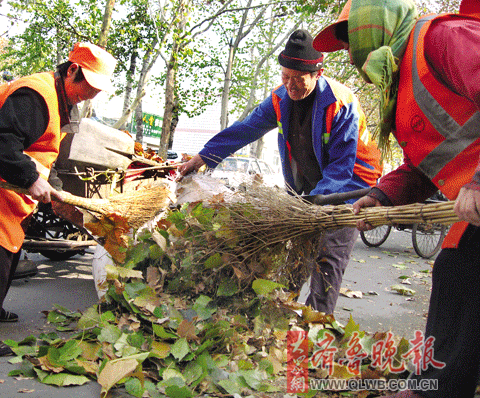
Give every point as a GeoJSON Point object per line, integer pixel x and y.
{"type": "Point", "coordinates": [299, 53]}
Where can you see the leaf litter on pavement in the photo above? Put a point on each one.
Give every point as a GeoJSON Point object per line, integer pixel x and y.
{"type": "Point", "coordinates": [187, 314]}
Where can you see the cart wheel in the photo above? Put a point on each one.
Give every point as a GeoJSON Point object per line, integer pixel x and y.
{"type": "Point", "coordinates": [427, 238]}
{"type": "Point", "coordinates": [45, 225]}
{"type": "Point", "coordinates": [375, 237]}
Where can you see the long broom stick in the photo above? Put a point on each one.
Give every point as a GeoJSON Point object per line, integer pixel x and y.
{"type": "Point", "coordinates": [136, 206]}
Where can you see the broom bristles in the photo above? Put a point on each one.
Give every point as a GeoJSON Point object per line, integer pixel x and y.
{"type": "Point", "coordinates": [136, 207]}
{"type": "Point", "coordinates": [267, 217]}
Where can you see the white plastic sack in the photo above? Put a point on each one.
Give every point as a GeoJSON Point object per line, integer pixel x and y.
{"type": "Point", "coordinates": [101, 259]}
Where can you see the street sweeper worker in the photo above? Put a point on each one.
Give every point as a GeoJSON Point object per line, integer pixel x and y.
{"type": "Point", "coordinates": [324, 147]}
{"type": "Point", "coordinates": [33, 110]}
{"type": "Point", "coordinates": [428, 72]}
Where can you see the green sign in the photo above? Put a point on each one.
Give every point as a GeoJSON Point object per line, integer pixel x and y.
{"type": "Point", "coordinates": [152, 125]}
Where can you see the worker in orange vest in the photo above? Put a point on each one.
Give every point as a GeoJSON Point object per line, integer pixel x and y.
{"type": "Point", "coordinates": [33, 110]}
{"type": "Point", "coordinates": [427, 71]}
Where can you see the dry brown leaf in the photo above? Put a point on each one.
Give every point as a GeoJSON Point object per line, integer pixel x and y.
{"type": "Point", "coordinates": [187, 330]}
{"type": "Point", "coordinates": [350, 293]}
{"type": "Point", "coordinates": [47, 366]}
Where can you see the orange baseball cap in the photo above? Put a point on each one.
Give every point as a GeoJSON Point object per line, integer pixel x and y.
{"type": "Point", "coordinates": [97, 65]}
{"type": "Point", "coordinates": [326, 41]}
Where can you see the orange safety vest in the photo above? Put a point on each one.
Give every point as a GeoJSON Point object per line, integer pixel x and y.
{"type": "Point", "coordinates": [437, 128]}
{"type": "Point", "coordinates": [16, 207]}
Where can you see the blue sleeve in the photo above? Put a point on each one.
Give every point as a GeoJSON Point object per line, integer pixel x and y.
{"type": "Point", "coordinates": [340, 152]}
{"type": "Point", "coordinates": [240, 134]}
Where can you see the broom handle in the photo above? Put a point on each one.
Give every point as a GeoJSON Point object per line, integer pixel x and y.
{"type": "Point", "coordinates": [66, 198]}
{"type": "Point", "coordinates": [336, 198]}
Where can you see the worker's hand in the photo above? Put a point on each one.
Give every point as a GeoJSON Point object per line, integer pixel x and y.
{"type": "Point", "coordinates": [467, 206]}
{"type": "Point", "coordinates": [366, 201]}
{"type": "Point", "coordinates": [42, 191]}
{"type": "Point", "coordinates": [192, 165]}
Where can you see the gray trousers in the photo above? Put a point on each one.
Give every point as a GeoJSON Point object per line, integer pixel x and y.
{"type": "Point", "coordinates": [327, 271]}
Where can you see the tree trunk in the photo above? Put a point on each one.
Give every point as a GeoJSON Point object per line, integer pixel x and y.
{"type": "Point", "coordinates": [171, 102]}
{"type": "Point", "coordinates": [128, 88]}
{"type": "Point", "coordinates": [107, 21]}
{"type": "Point", "coordinates": [102, 42]}
{"type": "Point", "coordinates": [139, 123]}
{"type": "Point", "coordinates": [226, 87]}
{"type": "Point", "coordinates": [169, 106]}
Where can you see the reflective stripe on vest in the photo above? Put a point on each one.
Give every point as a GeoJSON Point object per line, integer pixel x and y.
{"type": "Point", "coordinates": [457, 138]}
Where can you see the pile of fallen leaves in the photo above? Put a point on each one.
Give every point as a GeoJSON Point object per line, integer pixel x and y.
{"type": "Point", "coordinates": [190, 313]}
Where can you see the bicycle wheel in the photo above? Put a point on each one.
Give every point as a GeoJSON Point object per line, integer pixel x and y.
{"type": "Point", "coordinates": [375, 237]}
{"type": "Point", "coordinates": [427, 238]}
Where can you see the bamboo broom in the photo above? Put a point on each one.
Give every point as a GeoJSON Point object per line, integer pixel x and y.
{"type": "Point", "coordinates": [264, 217]}
{"type": "Point", "coordinates": [137, 207]}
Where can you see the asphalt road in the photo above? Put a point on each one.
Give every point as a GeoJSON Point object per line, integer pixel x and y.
{"type": "Point", "coordinates": [70, 284]}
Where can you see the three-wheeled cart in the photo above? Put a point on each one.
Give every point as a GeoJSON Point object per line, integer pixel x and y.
{"type": "Point", "coordinates": [96, 161]}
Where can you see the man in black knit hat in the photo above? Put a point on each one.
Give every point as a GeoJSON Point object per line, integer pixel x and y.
{"type": "Point", "coordinates": [324, 146]}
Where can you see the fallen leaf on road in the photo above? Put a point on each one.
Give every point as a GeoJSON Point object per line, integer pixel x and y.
{"type": "Point", "coordinates": [372, 293]}
{"type": "Point", "coordinates": [374, 256]}
{"type": "Point", "coordinates": [350, 293]}
{"type": "Point", "coordinates": [358, 261]}
{"type": "Point", "coordinates": [400, 266]}
{"type": "Point", "coordinates": [25, 391]}
{"type": "Point", "coordinates": [403, 290]}
{"type": "Point", "coordinates": [406, 282]}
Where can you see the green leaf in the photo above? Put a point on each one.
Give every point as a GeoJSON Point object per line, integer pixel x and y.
{"type": "Point", "coordinates": [26, 369]}
{"type": "Point", "coordinates": [263, 287]}
{"type": "Point", "coordinates": [133, 289]}
{"type": "Point", "coordinates": [251, 377]}
{"type": "Point", "coordinates": [162, 333]}
{"type": "Point", "coordinates": [67, 312]}
{"type": "Point", "coordinates": [193, 372]}
{"type": "Point", "coordinates": [202, 307]}
{"type": "Point", "coordinates": [133, 386]}
{"type": "Point", "coordinates": [227, 288]}
{"type": "Point", "coordinates": [89, 319]}
{"type": "Point", "coordinates": [27, 340]}
{"type": "Point", "coordinates": [64, 379]}
{"type": "Point", "coordinates": [403, 290]}
{"type": "Point", "coordinates": [173, 377]}
{"type": "Point", "coordinates": [110, 334]}
{"type": "Point", "coordinates": [180, 348]}
{"type": "Point", "coordinates": [56, 317]}
{"type": "Point", "coordinates": [70, 350]}
{"type": "Point", "coordinates": [136, 339]}
{"type": "Point", "coordinates": [214, 261]}
{"type": "Point", "coordinates": [123, 348]}
{"type": "Point", "coordinates": [156, 252]}
{"type": "Point", "coordinates": [107, 317]}
{"type": "Point", "coordinates": [178, 392]}
{"type": "Point", "coordinates": [230, 386]}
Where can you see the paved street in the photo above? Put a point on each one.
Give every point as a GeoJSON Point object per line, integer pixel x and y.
{"type": "Point", "coordinates": [70, 284]}
{"type": "Point", "coordinates": [375, 270]}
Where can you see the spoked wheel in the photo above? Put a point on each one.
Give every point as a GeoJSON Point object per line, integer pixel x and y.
{"type": "Point", "coordinates": [375, 237]}
{"type": "Point", "coordinates": [427, 238]}
{"type": "Point", "coordinates": [46, 225]}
